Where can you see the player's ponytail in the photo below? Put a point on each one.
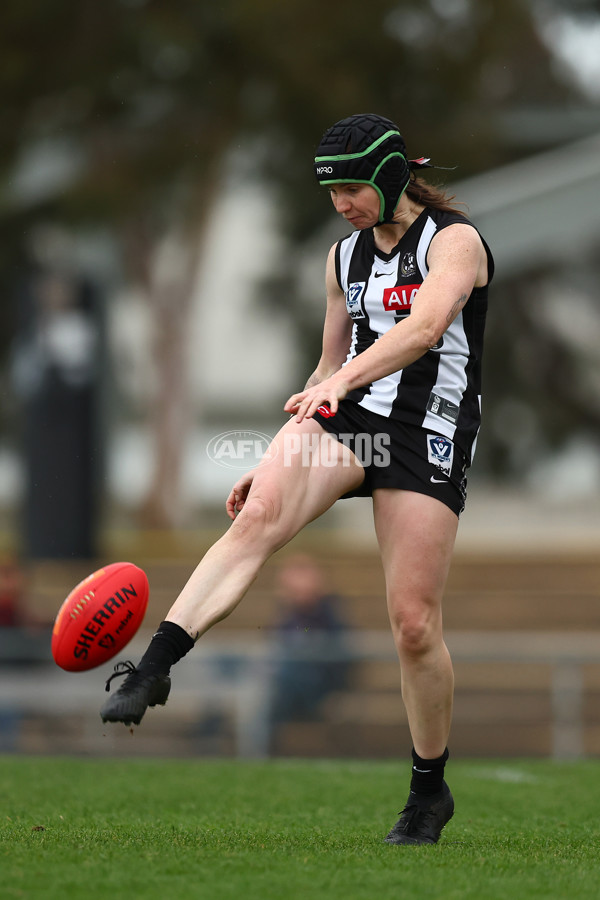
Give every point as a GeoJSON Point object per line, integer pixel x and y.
{"type": "Point", "coordinates": [426, 194]}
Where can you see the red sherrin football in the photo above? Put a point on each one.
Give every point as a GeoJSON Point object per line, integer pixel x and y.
{"type": "Point", "coordinates": [99, 617]}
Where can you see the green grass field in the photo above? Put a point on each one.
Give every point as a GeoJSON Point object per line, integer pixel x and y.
{"type": "Point", "coordinates": [286, 830]}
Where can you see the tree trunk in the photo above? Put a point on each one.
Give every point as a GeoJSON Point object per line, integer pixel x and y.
{"type": "Point", "coordinates": [167, 272]}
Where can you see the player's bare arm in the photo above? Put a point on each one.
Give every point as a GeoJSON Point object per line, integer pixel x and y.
{"type": "Point", "coordinates": [337, 329]}
{"type": "Point", "coordinates": [457, 263]}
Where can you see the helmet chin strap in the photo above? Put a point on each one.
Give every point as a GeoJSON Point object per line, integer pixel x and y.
{"type": "Point", "coordinates": [389, 219]}
{"type": "Point", "coordinates": [422, 162]}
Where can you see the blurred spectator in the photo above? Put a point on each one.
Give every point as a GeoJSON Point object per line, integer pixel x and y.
{"type": "Point", "coordinates": [310, 637]}
{"type": "Point", "coordinates": [310, 660]}
{"type": "Point", "coordinates": [24, 637]}
{"type": "Point", "coordinates": [22, 642]}
{"type": "Point", "coordinates": [12, 594]}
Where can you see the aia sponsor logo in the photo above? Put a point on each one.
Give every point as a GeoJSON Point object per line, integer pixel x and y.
{"type": "Point", "coordinates": [400, 299]}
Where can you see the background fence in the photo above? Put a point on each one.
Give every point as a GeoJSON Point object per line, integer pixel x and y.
{"type": "Point", "coordinates": [523, 630]}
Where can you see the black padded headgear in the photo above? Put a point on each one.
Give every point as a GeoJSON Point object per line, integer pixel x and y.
{"type": "Point", "coordinates": [365, 149]}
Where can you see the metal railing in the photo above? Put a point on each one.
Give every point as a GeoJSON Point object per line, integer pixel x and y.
{"type": "Point", "coordinates": [235, 672]}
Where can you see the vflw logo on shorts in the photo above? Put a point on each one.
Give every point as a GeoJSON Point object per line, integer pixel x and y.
{"type": "Point", "coordinates": [354, 299]}
{"type": "Point", "coordinates": [440, 452]}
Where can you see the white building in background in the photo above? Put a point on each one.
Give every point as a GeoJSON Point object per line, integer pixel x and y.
{"type": "Point", "coordinates": [242, 358]}
{"type": "Point", "coordinates": [541, 210]}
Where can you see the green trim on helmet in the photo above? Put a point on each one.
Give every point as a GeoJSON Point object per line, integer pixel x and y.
{"type": "Point", "coordinates": [376, 172]}
{"type": "Point", "coordinates": [370, 148]}
{"type": "Point", "coordinates": [385, 159]}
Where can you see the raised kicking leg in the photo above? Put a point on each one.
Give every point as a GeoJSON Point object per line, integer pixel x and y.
{"type": "Point", "coordinates": [305, 472]}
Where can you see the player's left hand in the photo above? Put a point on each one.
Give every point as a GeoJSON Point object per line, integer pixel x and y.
{"type": "Point", "coordinates": [328, 393]}
{"type": "Point", "coordinates": [239, 494]}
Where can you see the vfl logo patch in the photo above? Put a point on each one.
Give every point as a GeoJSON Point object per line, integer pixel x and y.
{"type": "Point", "coordinates": [354, 296]}
{"type": "Point", "coordinates": [440, 452]}
{"type": "Point", "coordinates": [400, 299]}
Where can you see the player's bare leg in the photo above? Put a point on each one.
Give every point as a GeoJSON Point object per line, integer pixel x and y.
{"type": "Point", "coordinates": [418, 528]}
{"type": "Point", "coordinates": [287, 493]}
{"type": "Point", "coordinates": [306, 471]}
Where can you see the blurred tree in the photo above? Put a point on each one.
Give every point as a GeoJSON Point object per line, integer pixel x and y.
{"type": "Point", "coordinates": [124, 113]}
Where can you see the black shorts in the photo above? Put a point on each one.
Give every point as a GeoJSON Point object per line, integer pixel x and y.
{"type": "Point", "coordinates": [396, 455]}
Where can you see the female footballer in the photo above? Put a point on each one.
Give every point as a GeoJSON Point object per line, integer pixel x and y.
{"type": "Point", "coordinates": [400, 377]}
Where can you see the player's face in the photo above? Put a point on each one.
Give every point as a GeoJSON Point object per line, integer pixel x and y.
{"type": "Point", "coordinates": [357, 203]}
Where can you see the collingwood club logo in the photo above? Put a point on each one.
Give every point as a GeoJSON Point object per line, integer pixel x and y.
{"type": "Point", "coordinates": [408, 264]}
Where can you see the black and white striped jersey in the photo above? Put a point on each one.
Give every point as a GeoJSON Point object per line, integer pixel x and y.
{"type": "Point", "coordinates": [441, 391]}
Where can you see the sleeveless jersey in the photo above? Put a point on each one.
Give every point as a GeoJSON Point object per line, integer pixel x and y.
{"type": "Point", "coordinates": [441, 391]}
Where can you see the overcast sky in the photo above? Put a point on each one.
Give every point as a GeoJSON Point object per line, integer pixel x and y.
{"type": "Point", "coordinates": [576, 42]}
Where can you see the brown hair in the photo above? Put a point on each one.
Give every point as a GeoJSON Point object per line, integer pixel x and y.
{"type": "Point", "coordinates": [429, 195]}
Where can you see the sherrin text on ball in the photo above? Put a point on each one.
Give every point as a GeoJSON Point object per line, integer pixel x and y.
{"type": "Point", "coordinates": [100, 616]}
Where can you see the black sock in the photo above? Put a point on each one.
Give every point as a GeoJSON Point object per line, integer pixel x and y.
{"type": "Point", "coordinates": [167, 646]}
{"type": "Point", "coordinates": [427, 774]}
